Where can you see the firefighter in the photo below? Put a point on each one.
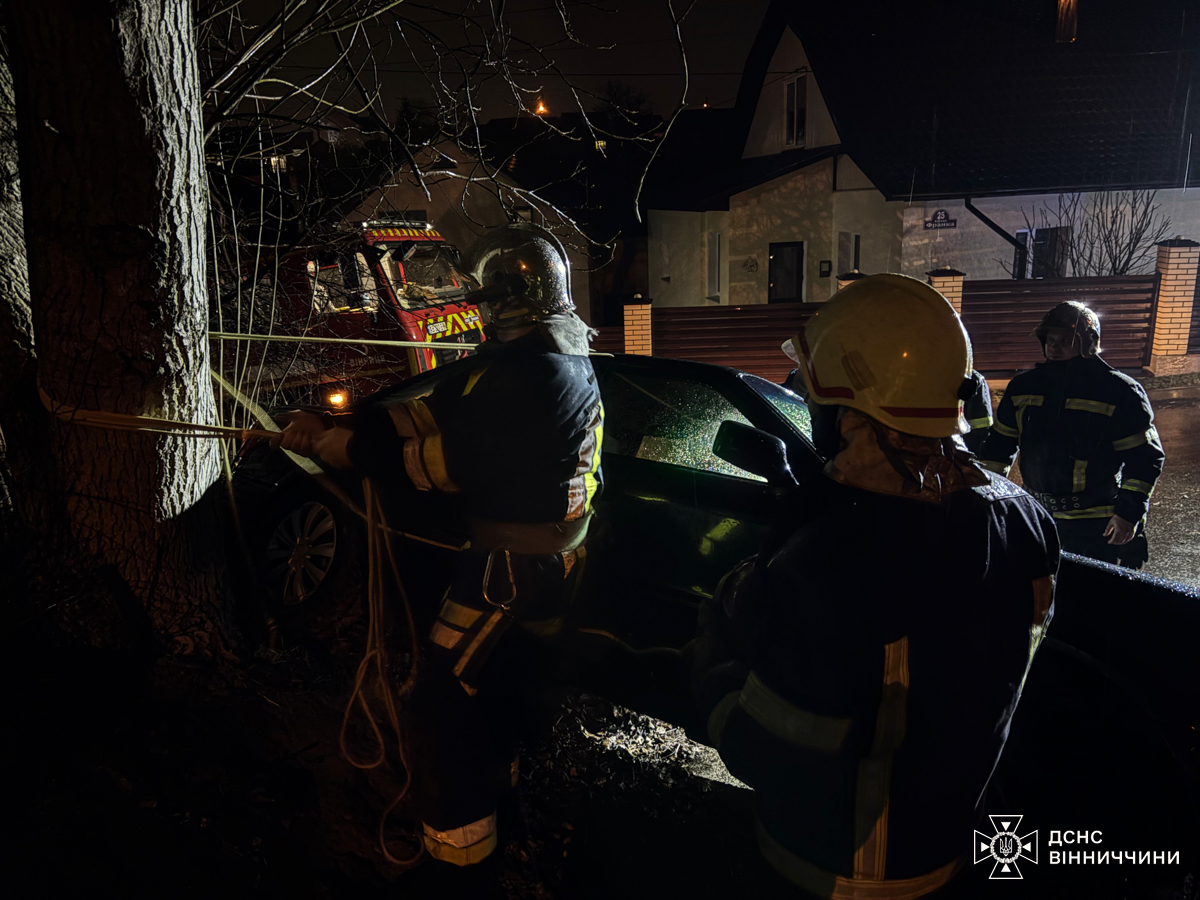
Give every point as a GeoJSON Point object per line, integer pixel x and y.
{"type": "Point", "coordinates": [977, 409]}
{"type": "Point", "coordinates": [861, 673]}
{"type": "Point", "coordinates": [513, 441]}
{"type": "Point", "coordinates": [1089, 451]}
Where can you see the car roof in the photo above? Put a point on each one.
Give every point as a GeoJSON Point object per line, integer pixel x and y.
{"type": "Point", "coordinates": [658, 365]}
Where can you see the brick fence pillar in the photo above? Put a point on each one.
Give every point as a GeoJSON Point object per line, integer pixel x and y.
{"type": "Point", "coordinates": [848, 278]}
{"type": "Point", "coordinates": [637, 326]}
{"type": "Point", "coordinates": [1177, 263]}
{"type": "Point", "coordinates": [949, 283]}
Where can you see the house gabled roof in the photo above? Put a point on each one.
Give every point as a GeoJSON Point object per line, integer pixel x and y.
{"type": "Point", "coordinates": [974, 99]}
{"type": "Point", "coordinates": [698, 172]}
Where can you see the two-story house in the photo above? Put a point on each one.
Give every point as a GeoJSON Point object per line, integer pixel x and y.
{"type": "Point", "coordinates": [883, 139]}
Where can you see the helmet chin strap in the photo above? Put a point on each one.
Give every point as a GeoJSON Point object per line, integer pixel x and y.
{"type": "Point", "coordinates": [893, 456]}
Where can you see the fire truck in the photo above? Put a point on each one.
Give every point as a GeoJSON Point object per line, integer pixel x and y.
{"type": "Point", "coordinates": [393, 280]}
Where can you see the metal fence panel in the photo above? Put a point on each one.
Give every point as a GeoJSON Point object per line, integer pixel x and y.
{"type": "Point", "coordinates": [610, 340]}
{"type": "Point", "coordinates": [1001, 315]}
{"type": "Point", "coordinates": [744, 337]}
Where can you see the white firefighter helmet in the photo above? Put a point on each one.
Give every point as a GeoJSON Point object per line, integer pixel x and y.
{"type": "Point", "coordinates": [891, 347]}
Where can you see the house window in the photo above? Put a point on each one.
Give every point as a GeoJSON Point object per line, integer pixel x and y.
{"type": "Point", "coordinates": [1020, 266]}
{"type": "Point", "coordinates": [794, 111]}
{"type": "Point", "coordinates": [714, 266]}
{"type": "Point", "coordinates": [600, 145]}
{"type": "Point", "coordinates": [1049, 256]}
{"type": "Point", "coordinates": [849, 252]}
{"type": "Point", "coordinates": [278, 164]}
{"type": "Point", "coordinates": [786, 272]}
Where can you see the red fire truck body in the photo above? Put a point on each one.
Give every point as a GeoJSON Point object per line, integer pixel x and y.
{"type": "Point", "coordinates": [395, 280]}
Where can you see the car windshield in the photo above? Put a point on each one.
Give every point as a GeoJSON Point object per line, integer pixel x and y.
{"type": "Point", "coordinates": [667, 420]}
{"type": "Point", "coordinates": [794, 409]}
{"type": "Point", "coordinates": [423, 274]}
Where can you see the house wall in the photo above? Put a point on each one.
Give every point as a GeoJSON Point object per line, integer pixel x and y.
{"type": "Point", "coordinates": [975, 249]}
{"type": "Point", "coordinates": [766, 136]}
{"type": "Point", "coordinates": [879, 222]}
{"type": "Point", "coordinates": [463, 216]}
{"type": "Point", "coordinates": [799, 206]}
{"type": "Point", "coordinates": [677, 256]}
{"type": "Point", "coordinates": [794, 207]}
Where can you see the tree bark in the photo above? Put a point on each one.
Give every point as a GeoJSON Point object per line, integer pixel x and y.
{"type": "Point", "coordinates": [112, 183]}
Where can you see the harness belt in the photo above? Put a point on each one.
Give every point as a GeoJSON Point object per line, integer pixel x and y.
{"type": "Point", "coordinates": [529, 538]}
{"type": "Point", "coordinates": [1055, 503]}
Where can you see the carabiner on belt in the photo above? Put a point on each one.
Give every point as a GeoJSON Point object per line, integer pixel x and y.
{"type": "Point", "coordinates": [487, 577]}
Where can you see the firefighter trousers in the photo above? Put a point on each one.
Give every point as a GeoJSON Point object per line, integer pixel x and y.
{"type": "Point", "coordinates": [486, 677]}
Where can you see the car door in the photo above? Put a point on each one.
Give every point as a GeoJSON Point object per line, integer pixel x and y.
{"type": "Point", "coordinates": [674, 518]}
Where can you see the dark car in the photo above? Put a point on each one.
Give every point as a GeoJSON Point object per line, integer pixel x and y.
{"type": "Point", "coordinates": [674, 517]}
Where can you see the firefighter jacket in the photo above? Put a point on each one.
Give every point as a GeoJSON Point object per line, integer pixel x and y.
{"type": "Point", "coordinates": [861, 675]}
{"type": "Point", "coordinates": [977, 410]}
{"type": "Point", "coordinates": [512, 436]}
{"type": "Point", "coordinates": [1086, 436]}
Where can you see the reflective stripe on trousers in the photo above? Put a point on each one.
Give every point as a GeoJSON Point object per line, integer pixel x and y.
{"type": "Point", "coordinates": [465, 845]}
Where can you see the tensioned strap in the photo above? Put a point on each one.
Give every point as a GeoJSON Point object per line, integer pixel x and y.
{"type": "Point", "coordinates": [115, 421]}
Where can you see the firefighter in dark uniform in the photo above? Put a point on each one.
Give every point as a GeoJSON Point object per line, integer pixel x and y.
{"type": "Point", "coordinates": [1089, 451]}
{"type": "Point", "coordinates": [861, 673]}
{"type": "Point", "coordinates": [977, 410]}
{"type": "Point", "coordinates": [513, 440]}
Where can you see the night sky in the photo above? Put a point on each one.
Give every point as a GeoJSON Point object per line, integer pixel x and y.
{"type": "Point", "coordinates": [644, 52]}
{"type": "Point", "coordinates": [631, 41]}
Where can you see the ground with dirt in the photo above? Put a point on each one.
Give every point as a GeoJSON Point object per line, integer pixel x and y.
{"type": "Point", "coordinates": [235, 785]}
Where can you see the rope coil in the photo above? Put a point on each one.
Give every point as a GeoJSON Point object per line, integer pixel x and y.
{"type": "Point", "coordinates": [379, 546]}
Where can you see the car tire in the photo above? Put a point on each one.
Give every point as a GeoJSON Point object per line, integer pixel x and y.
{"type": "Point", "coordinates": [308, 558]}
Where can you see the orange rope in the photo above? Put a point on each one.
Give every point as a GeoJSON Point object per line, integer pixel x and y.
{"type": "Point", "coordinates": [375, 657]}
{"type": "Point", "coordinates": [379, 543]}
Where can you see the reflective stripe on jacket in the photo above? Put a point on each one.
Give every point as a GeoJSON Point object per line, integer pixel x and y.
{"type": "Point", "coordinates": [1086, 436]}
{"type": "Point", "coordinates": [514, 435]}
{"type": "Point", "coordinates": [886, 643]}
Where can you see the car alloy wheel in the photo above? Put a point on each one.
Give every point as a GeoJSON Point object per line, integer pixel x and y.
{"type": "Point", "coordinates": [300, 552]}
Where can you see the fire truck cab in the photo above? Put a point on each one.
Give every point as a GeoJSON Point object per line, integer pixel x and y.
{"type": "Point", "coordinates": [396, 279]}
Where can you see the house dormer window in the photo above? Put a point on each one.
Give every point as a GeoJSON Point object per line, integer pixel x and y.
{"type": "Point", "coordinates": [796, 106]}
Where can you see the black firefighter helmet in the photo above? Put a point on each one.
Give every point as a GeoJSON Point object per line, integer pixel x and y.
{"type": "Point", "coordinates": [523, 275]}
{"type": "Point", "coordinates": [1072, 316]}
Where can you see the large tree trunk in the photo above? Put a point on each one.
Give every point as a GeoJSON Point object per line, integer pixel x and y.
{"type": "Point", "coordinates": [113, 189]}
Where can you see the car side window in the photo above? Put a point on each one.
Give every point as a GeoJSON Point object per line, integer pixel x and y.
{"type": "Point", "coordinates": [667, 420]}
{"type": "Point", "coordinates": [791, 406]}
